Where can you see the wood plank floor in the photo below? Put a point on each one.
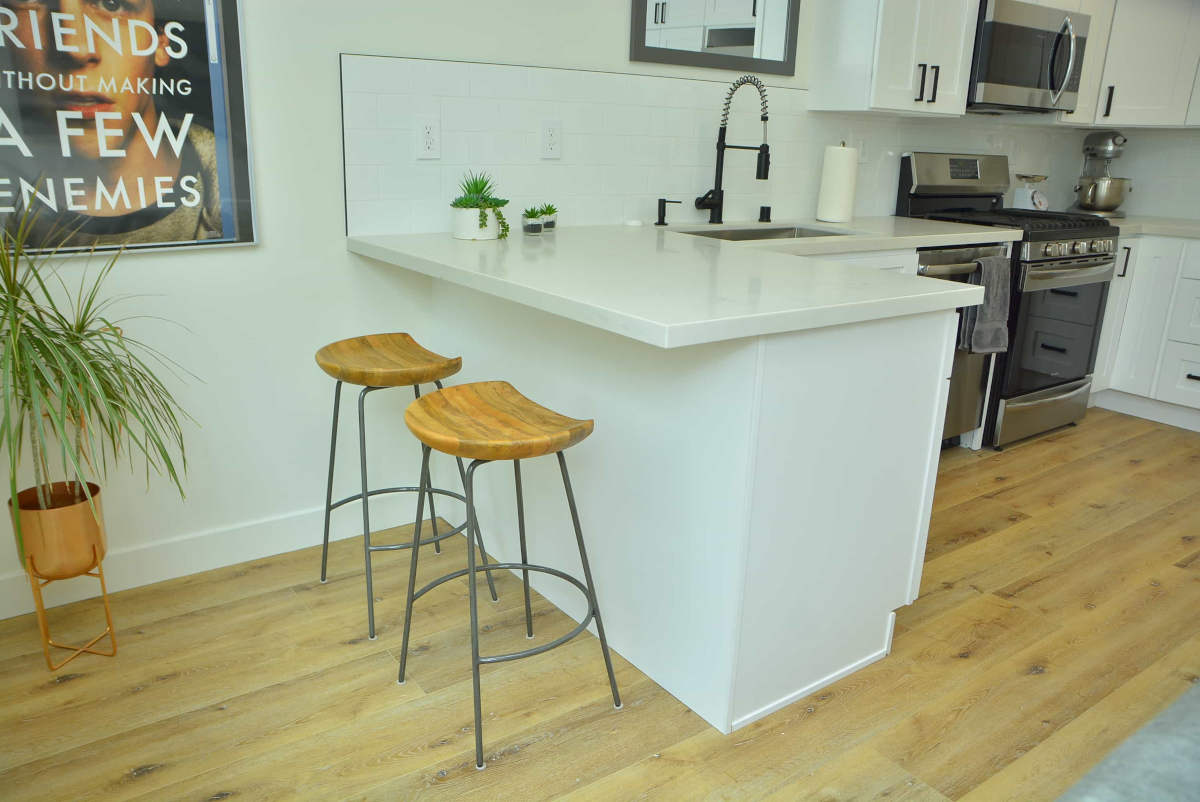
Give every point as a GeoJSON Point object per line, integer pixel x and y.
{"type": "Point", "coordinates": [1058, 614]}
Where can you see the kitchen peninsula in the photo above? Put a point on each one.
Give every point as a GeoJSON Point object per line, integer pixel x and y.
{"type": "Point", "coordinates": [756, 496]}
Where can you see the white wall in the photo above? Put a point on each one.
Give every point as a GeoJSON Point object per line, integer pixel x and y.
{"type": "Point", "coordinates": [626, 140]}
{"type": "Point", "coordinates": [1165, 168]}
{"type": "Point", "coordinates": [253, 317]}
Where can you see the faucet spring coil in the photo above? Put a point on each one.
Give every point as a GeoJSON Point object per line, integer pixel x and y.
{"type": "Point", "coordinates": [739, 83]}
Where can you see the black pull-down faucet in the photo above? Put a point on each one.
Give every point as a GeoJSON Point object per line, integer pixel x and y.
{"type": "Point", "coordinates": [714, 199]}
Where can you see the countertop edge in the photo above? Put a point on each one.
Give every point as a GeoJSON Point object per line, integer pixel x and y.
{"type": "Point", "coordinates": [668, 336]}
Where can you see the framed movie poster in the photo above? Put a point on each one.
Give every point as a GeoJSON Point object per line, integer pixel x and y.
{"type": "Point", "coordinates": [123, 123]}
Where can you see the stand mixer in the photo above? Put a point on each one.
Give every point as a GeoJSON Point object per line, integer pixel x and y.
{"type": "Point", "coordinates": [1097, 191]}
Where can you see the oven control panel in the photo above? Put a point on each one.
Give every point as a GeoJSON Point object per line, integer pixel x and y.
{"type": "Point", "coordinates": [1059, 249]}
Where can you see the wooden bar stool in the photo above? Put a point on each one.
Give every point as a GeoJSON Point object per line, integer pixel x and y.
{"type": "Point", "coordinates": [485, 422]}
{"type": "Point", "coordinates": [377, 362]}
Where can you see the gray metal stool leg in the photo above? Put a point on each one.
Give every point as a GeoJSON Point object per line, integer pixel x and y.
{"type": "Point", "coordinates": [472, 594]}
{"type": "Point", "coordinates": [437, 544]}
{"type": "Point", "coordinates": [587, 575]}
{"type": "Point", "coordinates": [337, 402]}
{"type": "Point", "coordinates": [362, 466]}
{"type": "Point", "coordinates": [412, 567]}
{"type": "Point", "coordinates": [524, 551]}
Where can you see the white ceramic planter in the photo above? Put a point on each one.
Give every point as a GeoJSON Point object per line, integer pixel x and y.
{"type": "Point", "coordinates": [466, 224]}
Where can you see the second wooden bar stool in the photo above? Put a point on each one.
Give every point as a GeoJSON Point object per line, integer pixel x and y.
{"type": "Point", "coordinates": [484, 422]}
{"type": "Point", "coordinates": [377, 362]}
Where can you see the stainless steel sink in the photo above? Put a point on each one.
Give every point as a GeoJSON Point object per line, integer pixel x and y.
{"type": "Point", "coordinates": [763, 232]}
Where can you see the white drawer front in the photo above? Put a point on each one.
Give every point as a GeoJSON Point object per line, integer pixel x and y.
{"type": "Point", "coordinates": [1185, 312]}
{"type": "Point", "coordinates": [1176, 385]}
{"type": "Point", "coordinates": [1191, 254]}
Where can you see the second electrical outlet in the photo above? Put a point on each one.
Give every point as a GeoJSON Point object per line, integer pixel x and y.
{"type": "Point", "coordinates": [552, 139]}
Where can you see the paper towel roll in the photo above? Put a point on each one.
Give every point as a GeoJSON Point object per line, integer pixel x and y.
{"type": "Point", "coordinates": [835, 203]}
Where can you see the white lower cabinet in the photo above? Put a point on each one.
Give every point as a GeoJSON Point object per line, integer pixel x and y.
{"type": "Point", "coordinates": [1179, 376]}
{"type": "Point", "coordinates": [1143, 330]}
{"type": "Point", "coordinates": [1153, 317]}
{"type": "Point", "coordinates": [1184, 323]}
{"type": "Point", "coordinates": [1114, 315]}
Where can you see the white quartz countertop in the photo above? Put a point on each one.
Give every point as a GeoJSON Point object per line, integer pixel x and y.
{"type": "Point", "coordinates": [667, 288]}
{"type": "Point", "coordinates": [1135, 225]}
{"type": "Point", "coordinates": [869, 234]}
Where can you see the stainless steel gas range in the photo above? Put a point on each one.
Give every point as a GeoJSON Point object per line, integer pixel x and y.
{"type": "Point", "coordinates": [1060, 275]}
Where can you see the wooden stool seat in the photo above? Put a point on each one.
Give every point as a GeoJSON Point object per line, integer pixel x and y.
{"type": "Point", "coordinates": [385, 360]}
{"type": "Point", "coordinates": [491, 421]}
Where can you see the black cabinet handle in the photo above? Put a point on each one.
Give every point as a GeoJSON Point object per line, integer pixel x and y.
{"type": "Point", "coordinates": [1125, 267]}
{"type": "Point", "coordinates": [1054, 348]}
{"type": "Point", "coordinates": [664, 14]}
{"type": "Point", "coordinates": [1108, 103]}
{"type": "Point", "coordinates": [657, 6]}
{"type": "Point", "coordinates": [754, 8]}
{"type": "Point", "coordinates": [937, 73]}
{"type": "Point", "coordinates": [1068, 293]}
{"type": "Point", "coordinates": [1193, 377]}
{"type": "Point", "coordinates": [924, 69]}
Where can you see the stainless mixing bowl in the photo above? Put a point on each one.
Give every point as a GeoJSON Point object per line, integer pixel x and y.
{"type": "Point", "coordinates": [1102, 194]}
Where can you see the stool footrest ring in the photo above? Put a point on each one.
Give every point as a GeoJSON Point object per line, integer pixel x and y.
{"type": "Point", "coordinates": [545, 647]}
{"type": "Point", "coordinates": [381, 491]}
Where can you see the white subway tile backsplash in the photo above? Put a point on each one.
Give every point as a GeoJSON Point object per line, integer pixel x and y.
{"type": "Point", "coordinates": [627, 140]}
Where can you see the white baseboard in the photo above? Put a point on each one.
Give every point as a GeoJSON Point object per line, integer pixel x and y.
{"type": "Point", "coordinates": [148, 563]}
{"type": "Point", "coordinates": [1142, 407]}
{"type": "Point", "coordinates": [796, 695]}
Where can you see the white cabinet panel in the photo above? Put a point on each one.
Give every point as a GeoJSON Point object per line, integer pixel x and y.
{"type": "Point", "coordinates": [909, 56]}
{"type": "Point", "coordinates": [948, 41]}
{"type": "Point", "coordinates": [1191, 259]}
{"type": "Point", "coordinates": [898, 74]}
{"type": "Point", "coordinates": [904, 261]}
{"type": "Point", "coordinates": [1092, 69]}
{"type": "Point", "coordinates": [1179, 380]}
{"type": "Point", "coordinates": [1144, 328]}
{"type": "Point", "coordinates": [1184, 323]}
{"type": "Point", "coordinates": [1193, 118]}
{"type": "Point", "coordinates": [730, 12]}
{"type": "Point", "coordinates": [1151, 63]}
{"type": "Point", "coordinates": [690, 38]}
{"type": "Point", "coordinates": [1114, 315]}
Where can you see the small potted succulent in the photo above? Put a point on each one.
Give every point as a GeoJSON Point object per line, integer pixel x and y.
{"type": "Point", "coordinates": [549, 217]}
{"type": "Point", "coordinates": [471, 209]}
{"type": "Point", "coordinates": [531, 220]}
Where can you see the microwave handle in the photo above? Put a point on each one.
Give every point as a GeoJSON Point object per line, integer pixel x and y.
{"type": "Point", "coordinates": [1069, 29]}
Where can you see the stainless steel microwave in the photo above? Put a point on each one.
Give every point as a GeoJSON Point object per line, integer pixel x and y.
{"type": "Point", "coordinates": [1027, 57]}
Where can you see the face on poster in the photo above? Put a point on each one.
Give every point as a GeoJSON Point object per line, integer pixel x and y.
{"type": "Point", "coordinates": [122, 122]}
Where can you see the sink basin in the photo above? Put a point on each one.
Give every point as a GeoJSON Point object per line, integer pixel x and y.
{"type": "Point", "coordinates": [763, 232]}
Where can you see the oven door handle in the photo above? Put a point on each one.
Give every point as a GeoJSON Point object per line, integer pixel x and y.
{"type": "Point", "coordinates": [1069, 29]}
{"type": "Point", "coordinates": [943, 271]}
{"type": "Point", "coordinates": [1067, 277]}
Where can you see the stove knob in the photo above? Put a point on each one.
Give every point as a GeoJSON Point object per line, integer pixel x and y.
{"type": "Point", "coordinates": [1080, 247]}
{"type": "Point", "coordinates": [1049, 249]}
{"type": "Point", "coordinates": [1097, 246]}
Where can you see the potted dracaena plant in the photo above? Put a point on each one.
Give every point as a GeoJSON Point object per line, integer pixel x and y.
{"type": "Point", "coordinates": [476, 210]}
{"type": "Point", "coordinates": [78, 394]}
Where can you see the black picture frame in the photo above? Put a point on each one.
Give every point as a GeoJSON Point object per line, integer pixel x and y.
{"type": "Point", "coordinates": [639, 51]}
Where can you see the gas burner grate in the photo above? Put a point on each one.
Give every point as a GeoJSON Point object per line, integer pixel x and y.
{"type": "Point", "coordinates": [1026, 220]}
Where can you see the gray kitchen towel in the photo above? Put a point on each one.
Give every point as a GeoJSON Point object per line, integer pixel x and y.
{"type": "Point", "coordinates": [984, 328]}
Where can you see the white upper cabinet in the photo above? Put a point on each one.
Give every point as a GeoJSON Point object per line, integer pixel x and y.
{"type": "Point", "coordinates": [1150, 66]}
{"type": "Point", "coordinates": [1193, 118]}
{"type": "Point", "coordinates": [731, 12]}
{"type": "Point", "coordinates": [1092, 69]}
{"type": "Point", "coordinates": [910, 56]}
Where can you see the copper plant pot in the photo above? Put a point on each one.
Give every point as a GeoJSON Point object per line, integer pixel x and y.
{"type": "Point", "coordinates": [66, 540]}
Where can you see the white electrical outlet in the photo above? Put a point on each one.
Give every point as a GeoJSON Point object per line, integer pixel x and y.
{"type": "Point", "coordinates": [429, 136]}
{"type": "Point", "coordinates": [551, 139]}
